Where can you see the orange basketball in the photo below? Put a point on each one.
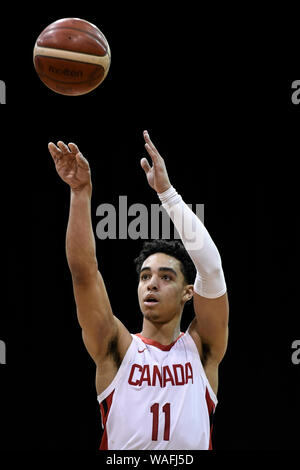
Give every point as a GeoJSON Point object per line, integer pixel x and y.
{"type": "Point", "coordinates": [71, 56]}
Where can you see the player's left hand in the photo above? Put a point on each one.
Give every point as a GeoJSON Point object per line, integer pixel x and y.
{"type": "Point", "coordinates": [157, 175]}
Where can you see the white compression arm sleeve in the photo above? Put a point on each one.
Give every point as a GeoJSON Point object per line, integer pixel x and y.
{"type": "Point", "coordinates": [210, 281]}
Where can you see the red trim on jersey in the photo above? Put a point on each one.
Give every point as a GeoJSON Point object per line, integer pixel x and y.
{"type": "Point", "coordinates": [157, 344]}
{"type": "Point", "coordinates": [104, 415]}
{"type": "Point", "coordinates": [211, 409]}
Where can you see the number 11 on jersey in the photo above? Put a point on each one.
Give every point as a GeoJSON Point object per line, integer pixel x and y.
{"type": "Point", "coordinates": [155, 410]}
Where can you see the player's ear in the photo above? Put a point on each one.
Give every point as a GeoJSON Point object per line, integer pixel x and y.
{"type": "Point", "coordinates": [189, 292]}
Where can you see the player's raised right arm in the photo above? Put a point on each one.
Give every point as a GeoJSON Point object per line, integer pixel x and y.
{"type": "Point", "coordinates": [95, 316]}
{"type": "Point", "coordinates": [93, 307]}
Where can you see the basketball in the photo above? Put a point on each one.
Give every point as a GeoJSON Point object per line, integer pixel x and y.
{"type": "Point", "coordinates": [71, 56]}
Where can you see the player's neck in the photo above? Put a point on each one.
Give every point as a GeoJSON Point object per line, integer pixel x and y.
{"type": "Point", "coordinates": [164, 334]}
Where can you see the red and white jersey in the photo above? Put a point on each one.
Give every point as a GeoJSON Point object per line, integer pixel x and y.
{"type": "Point", "coordinates": [159, 399]}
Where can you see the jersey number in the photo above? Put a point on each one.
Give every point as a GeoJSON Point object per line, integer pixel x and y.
{"type": "Point", "coordinates": [155, 410]}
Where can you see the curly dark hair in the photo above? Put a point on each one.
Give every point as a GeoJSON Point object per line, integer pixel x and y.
{"type": "Point", "coordinates": [173, 248]}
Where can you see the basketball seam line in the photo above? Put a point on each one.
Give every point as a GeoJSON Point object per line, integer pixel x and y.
{"type": "Point", "coordinates": [79, 57]}
{"type": "Point", "coordinates": [69, 60]}
{"type": "Point", "coordinates": [68, 50]}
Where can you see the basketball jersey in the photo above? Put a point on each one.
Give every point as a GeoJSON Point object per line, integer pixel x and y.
{"type": "Point", "coordinates": [159, 399]}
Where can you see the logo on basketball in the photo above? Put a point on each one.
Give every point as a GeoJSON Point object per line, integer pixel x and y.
{"type": "Point", "coordinates": [65, 72]}
{"type": "Point", "coordinates": [2, 92]}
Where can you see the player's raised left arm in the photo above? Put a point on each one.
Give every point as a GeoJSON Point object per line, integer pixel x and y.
{"type": "Point", "coordinates": [210, 293]}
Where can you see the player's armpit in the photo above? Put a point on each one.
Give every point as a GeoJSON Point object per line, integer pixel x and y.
{"type": "Point", "coordinates": [212, 324]}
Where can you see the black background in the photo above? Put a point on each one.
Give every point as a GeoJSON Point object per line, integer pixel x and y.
{"type": "Point", "coordinates": [228, 130]}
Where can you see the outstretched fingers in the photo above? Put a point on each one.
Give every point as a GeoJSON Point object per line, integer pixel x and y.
{"type": "Point", "coordinates": [62, 150]}
{"type": "Point", "coordinates": [148, 140]}
{"type": "Point", "coordinates": [81, 160]}
{"type": "Point", "coordinates": [151, 149]}
{"type": "Point", "coordinates": [145, 165]}
{"type": "Point", "coordinates": [55, 152]}
{"type": "Point", "coordinates": [73, 148]}
{"type": "Point", "coordinates": [63, 147]}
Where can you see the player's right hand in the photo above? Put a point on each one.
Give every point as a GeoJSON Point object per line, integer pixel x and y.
{"type": "Point", "coordinates": [71, 165]}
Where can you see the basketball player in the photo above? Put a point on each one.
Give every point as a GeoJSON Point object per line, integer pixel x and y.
{"type": "Point", "coordinates": [157, 389]}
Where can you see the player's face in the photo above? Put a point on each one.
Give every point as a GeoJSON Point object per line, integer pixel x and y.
{"type": "Point", "coordinates": [161, 288]}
